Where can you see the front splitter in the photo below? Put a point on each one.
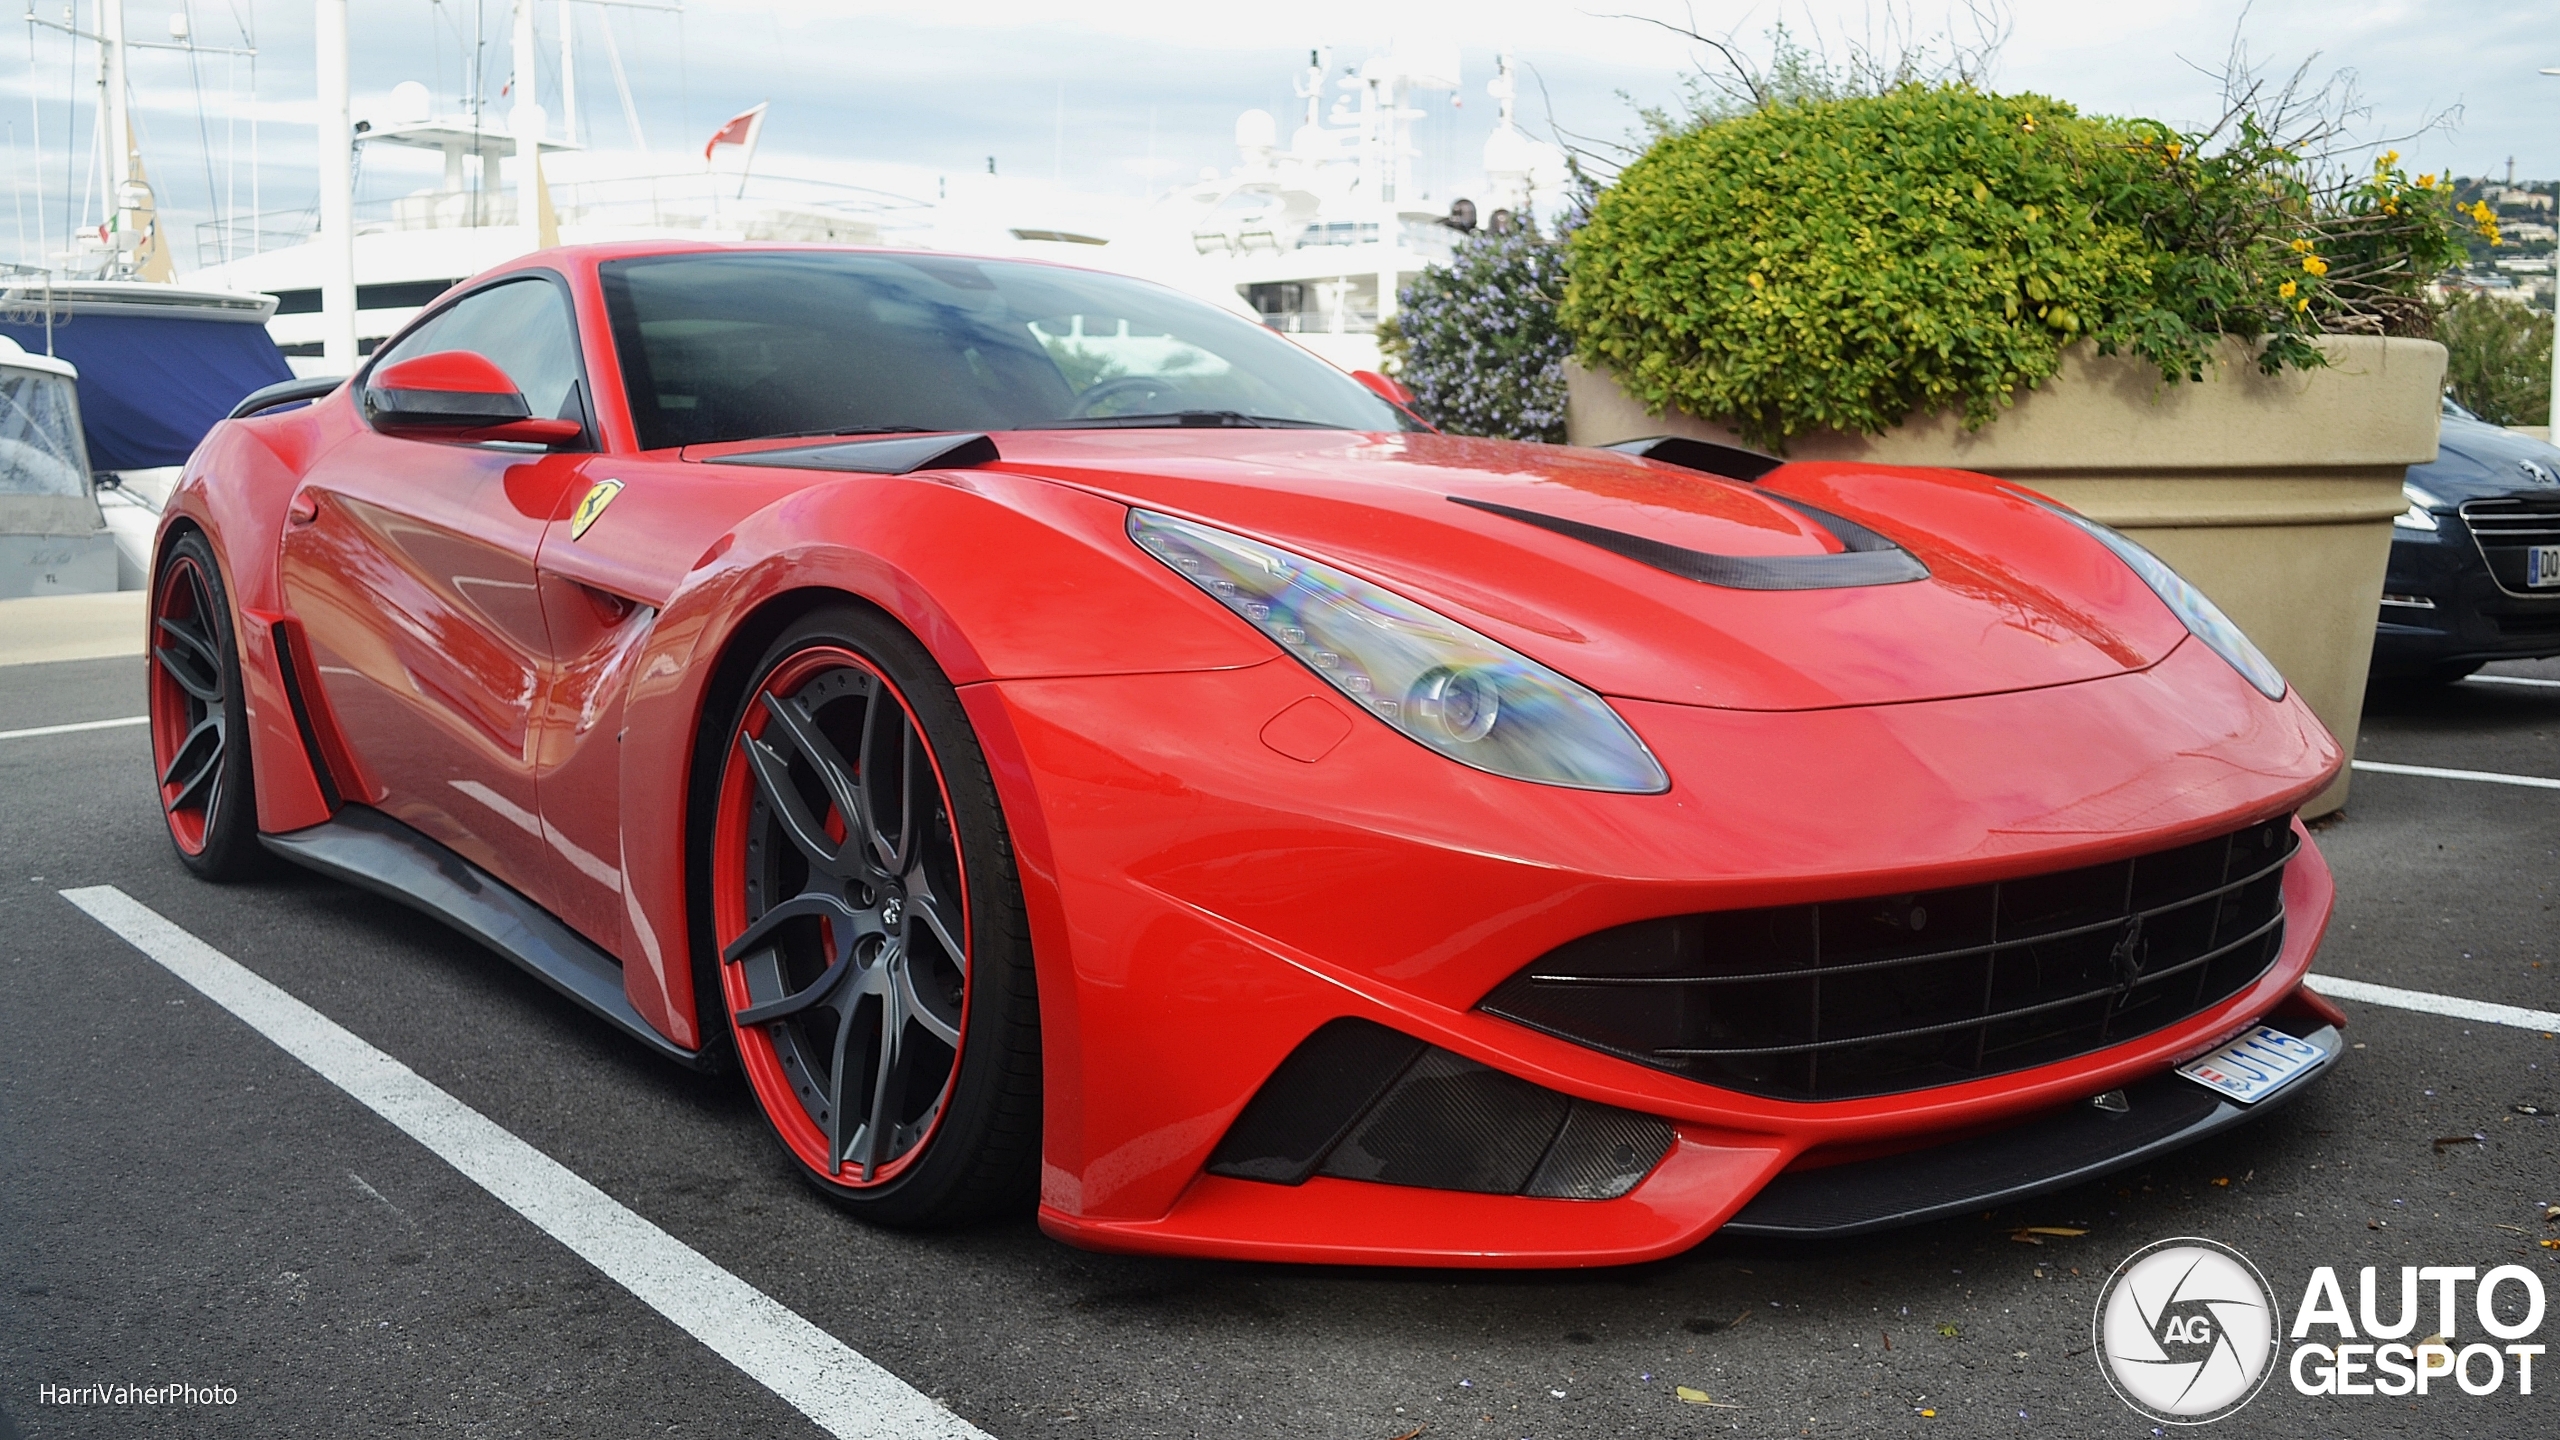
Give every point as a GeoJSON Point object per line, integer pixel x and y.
{"type": "Point", "coordinates": [2044, 1155]}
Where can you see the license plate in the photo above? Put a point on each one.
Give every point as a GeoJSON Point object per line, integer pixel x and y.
{"type": "Point", "coordinates": [2541, 566]}
{"type": "Point", "coordinates": [2254, 1066]}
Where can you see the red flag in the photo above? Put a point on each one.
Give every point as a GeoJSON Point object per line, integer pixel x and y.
{"type": "Point", "coordinates": [739, 131]}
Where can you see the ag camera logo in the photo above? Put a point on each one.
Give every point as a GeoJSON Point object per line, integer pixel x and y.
{"type": "Point", "coordinates": [2186, 1331]}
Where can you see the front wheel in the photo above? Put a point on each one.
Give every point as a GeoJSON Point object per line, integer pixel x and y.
{"type": "Point", "coordinates": [872, 950]}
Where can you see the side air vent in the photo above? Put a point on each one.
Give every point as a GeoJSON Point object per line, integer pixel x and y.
{"type": "Point", "coordinates": [1359, 1101]}
{"type": "Point", "coordinates": [1893, 993]}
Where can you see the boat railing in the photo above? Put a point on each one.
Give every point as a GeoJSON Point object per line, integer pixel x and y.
{"type": "Point", "coordinates": [776, 207]}
{"type": "Point", "coordinates": [1349, 320]}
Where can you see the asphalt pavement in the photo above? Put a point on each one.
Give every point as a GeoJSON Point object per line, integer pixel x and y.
{"type": "Point", "coordinates": [182, 1202]}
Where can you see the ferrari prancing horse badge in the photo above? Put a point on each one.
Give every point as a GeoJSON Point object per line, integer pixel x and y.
{"type": "Point", "coordinates": [591, 508]}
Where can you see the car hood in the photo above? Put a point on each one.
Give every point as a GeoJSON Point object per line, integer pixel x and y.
{"type": "Point", "coordinates": [2014, 597]}
{"type": "Point", "coordinates": [2475, 461]}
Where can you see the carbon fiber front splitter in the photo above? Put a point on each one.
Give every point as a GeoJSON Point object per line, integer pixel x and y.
{"type": "Point", "coordinates": [2053, 1153]}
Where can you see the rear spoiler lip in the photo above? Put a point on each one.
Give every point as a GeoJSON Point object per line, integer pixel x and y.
{"type": "Point", "coordinates": [285, 392]}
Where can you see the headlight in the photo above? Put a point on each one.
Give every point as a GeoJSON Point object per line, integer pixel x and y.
{"type": "Point", "coordinates": [2416, 517]}
{"type": "Point", "coordinates": [2203, 619]}
{"type": "Point", "coordinates": [1476, 701]}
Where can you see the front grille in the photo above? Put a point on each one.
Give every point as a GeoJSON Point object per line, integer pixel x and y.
{"type": "Point", "coordinates": [2504, 528]}
{"type": "Point", "coordinates": [1902, 992]}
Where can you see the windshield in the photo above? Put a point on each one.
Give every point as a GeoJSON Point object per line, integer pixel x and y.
{"type": "Point", "coordinates": [743, 345]}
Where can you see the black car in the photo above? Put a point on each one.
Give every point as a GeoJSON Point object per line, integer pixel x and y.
{"type": "Point", "coordinates": [2475, 560]}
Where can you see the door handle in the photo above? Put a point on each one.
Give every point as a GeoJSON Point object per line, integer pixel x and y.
{"type": "Point", "coordinates": [303, 508]}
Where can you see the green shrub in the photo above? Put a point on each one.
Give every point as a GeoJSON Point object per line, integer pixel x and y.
{"type": "Point", "coordinates": [1847, 263]}
{"type": "Point", "coordinates": [2498, 359]}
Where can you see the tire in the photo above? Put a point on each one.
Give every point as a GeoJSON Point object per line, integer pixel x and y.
{"type": "Point", "coordinates": [199, 718]}
{"type": "Point", "coordinates": [844, 940]}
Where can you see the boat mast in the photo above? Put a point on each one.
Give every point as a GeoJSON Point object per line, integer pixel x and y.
{"type": "Point", "coordinates": [337, 192]}
{"type": "Point", "coordinates": [568, 79]}
{"type": "Point", "coordinates": [525, 120]}
{"type": "Point", "coordinates": [119, 122]}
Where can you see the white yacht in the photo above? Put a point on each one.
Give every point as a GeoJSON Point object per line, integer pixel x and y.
{"type": "Point", "coordinates": [1316, 236]}
{"type": "Point", "coordinates": [411, 248]}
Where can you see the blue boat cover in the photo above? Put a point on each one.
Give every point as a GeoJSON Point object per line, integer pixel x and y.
{"type": "Point", "coordinates": [152, 385]}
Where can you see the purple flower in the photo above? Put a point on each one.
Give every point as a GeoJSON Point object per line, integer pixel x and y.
{"type": "Point", "coordinates": [1480, 345]}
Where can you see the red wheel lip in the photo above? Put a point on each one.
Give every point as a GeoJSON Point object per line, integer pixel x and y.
{"type": "Point", "coordinates": [167, 702]}
{"type": "Point", "coordinates": [756, 1056]}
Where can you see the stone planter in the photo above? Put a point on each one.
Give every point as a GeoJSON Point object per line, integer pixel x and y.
{"type": "Point", "coordinates": [2273, 494]}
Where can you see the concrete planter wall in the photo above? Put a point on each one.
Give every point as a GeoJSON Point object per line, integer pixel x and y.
{"type": "Point", "coordinates": [2274, 495]}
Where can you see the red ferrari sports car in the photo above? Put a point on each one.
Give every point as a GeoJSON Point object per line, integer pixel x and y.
{"type": "Point", "coordinates": [1057, 738]}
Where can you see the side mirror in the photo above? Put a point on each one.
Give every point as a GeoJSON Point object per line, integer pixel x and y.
{"type": "Point", "coordinates": [456, 395]}
{"type": "Point", "coordinates": [1387, 390]}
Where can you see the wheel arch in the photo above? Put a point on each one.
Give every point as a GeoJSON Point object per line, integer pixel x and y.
{"type": "Point", "coordinates": [234, 494]}
{"type": "Point", "coordinates": [996, 579]}
{"type": "Point", "coordinates": [732, 670]}
{"type": "Point", "coordinates": [731, 667]}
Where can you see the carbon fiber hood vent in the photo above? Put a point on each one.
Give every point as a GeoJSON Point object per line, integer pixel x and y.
{"type": "Point", "coordinates": [1864, 558]}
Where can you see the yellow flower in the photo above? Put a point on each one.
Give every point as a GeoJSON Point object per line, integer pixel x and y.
{"type": "Point", "coordinates": [2314, 265]}
{"type": "Point", "coordinates": [2286, 289]}
{"type": "Point", "coordinates": [2300, 247]}
{"type": "Point", "coordinates": [2386, 160]}
{"type": "Point", "coordinates": [2302, 304]}
{"type": "Point", "coordinates": [2175, 150]}
{"type": "Point", "coordinates": [2427, 182]}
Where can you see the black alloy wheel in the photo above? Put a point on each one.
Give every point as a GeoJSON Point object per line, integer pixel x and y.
{"type": "Point", "coordinates": [872, 948]}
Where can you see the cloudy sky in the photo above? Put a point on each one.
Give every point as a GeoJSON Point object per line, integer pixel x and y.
{"type": "Point", "coordinates": [1116, 100]}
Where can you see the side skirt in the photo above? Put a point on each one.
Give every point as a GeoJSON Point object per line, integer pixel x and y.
{"type": "Point", "coordinates": [369, 849]}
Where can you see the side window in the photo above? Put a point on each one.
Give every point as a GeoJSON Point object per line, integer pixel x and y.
{"type": "Point", "coordinates": [522, 326]}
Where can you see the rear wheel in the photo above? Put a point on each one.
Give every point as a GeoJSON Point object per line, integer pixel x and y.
{"type": "Point", "coordinates": [199, 725]}
{"type": "Point", "coordinates": [872, 951]}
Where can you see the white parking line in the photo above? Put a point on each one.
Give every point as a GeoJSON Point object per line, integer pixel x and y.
{"type": "Point", "coordinates": [77, 725]}
{"type": "Point", "coordinates": [2514, 680]}
{"type": "Point", "coordinates": [2486, 777]}
{"type": "Point", "coordinates": [821, 1376]}
{"type": "Point", "coordinates": [2450, 1006]}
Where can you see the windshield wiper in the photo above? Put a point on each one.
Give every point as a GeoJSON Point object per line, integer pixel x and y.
{"type": "Point", "coordinates": [1182, 420]}
{"type": "Point", "coordinates": [827, 430]}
